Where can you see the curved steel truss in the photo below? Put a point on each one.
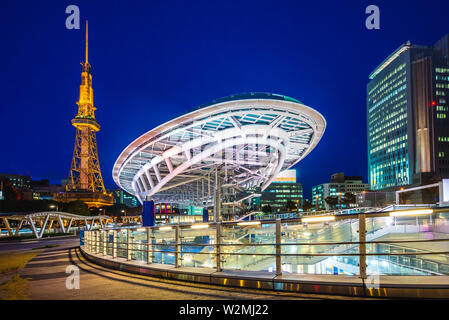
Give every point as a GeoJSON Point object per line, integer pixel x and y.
{"type": "Point", "coordinates": [239, 143]}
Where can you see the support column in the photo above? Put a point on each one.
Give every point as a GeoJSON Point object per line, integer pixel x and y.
{"type": "Point", "coordinates": [69, 225]}
{"type": "Point", "coordinates": [148, 213]}
{"type": "Point", "coordinates": [18, 227]}
{"type": "Point", "coordinates": [128, 244]}
{"type": "Point", "coordinates": [105, 241]}
{"type": "Point", "coordinates": [278, 248]}
{"type": "Point", "coordinates": [362, 246]}
{"type": "Point", "coordinates": [217, 246]}
{"type": "Point", "coordinates": [8, 227]}
{"type": "Point", "coordinates": [177, 246]}
{"type": "Point", "coordinates": [43, 226]}
{"type": "Point", "coordinates": [97, 241]}
{"type": "Point", "coordinates": [114, 244]}
{"type": "Point", "coordinates": [149, 246]}
{"type": "Point", "coordinates": [205, 215]}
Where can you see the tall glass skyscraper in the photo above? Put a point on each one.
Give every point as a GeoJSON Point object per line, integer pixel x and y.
{"type": "Point", "coordinates": [407, 121]}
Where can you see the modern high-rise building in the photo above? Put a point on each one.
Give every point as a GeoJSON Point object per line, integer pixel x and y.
{"type": "Point", "coordinates": [407, 117]}
{"type": "Point", "coordinates": [339, 185]}
{"type": "Point", "coordinates": [283, 188]}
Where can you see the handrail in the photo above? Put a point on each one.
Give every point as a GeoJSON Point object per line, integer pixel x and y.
{"type": "Point", "coordinates": [113, 243]}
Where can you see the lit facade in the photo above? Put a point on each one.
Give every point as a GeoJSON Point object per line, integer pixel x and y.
{"type": "Point", "coordinates": [339, 185]}
{"type": "Point", "coordinates": [123, 197]}
{"type": "Point", "coordinates": [407, 117]}
{"type": "Point", "coordinates": [283, 188]}
{"type": "Point", "coordinates": [85, 182]}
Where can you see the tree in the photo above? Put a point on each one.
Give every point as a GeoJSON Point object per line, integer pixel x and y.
{"type": "Point", "coordinates": [78, 207]}
{"type": "Point", "coordinates": [348, 198]}
{"type": "Point", "coordinates": [332, 201]}
{"type": "Point", "coordinates": [306, 205]}
{"type": "Point", "coordinates": [267, 209]}
{"type": "Point", "coordinates": [290, 205]}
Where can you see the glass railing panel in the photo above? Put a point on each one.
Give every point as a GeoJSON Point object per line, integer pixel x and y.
{"type": "Point", "coordinates": [314, 247]}
{"type": "Point", "coordinates": [398, 257]}
{"type": "Point", "coordinates": [121, 243]}
{"type": "Point", "coordinates": [109, 242]}
{"type": "Point", "coordinates": [249, 247]}
{"type": "Point", "coordinates": [138, 245]}
{"type": "Point", "coordinates": [198, 247]}
{"type": "Point", "coordinates": [163, 246]}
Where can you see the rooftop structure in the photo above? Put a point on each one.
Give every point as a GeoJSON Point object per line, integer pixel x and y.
{"type": "Point", "coordinates": [238, 142]}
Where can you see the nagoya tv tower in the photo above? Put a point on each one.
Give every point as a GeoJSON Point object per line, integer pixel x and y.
{"type": "Point", "coordinates": [85, 182]}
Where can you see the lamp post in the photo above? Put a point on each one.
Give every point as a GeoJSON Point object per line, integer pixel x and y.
{"type": "Point", "coordinates": [316, 203]}
{"type": "Point", "coordinates": [54, 206]}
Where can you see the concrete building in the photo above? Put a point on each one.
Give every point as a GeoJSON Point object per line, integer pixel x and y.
{"type": "Point", "coordinates": [15, 187]}
{"type": "Point", "coordinates": [283, 188]}
{"type": "Point", "coordinates": [407, 117]}
{"type": "Point", "coordinates": [43, 190]}
{"type": "Point", "coordinates": [123, 197]}
{"type": "Point", "coordinates": [337, 187]}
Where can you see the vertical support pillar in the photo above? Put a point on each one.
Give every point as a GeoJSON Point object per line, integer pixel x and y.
{"type": "Point", "coordinates": [362, 246]}
{"type": "Point", "coordinates": [105, 241]}
{"type": "Point", "coordinates": [128, 244]}
{"type": "Point", "coordinates": [205, 215]}
{"type": "Point", "coordinates": [177, 246]}
{"type": "Point", "coordinates": [215, 196]}
{"type": "Point", "coordinates": [149, 246]}
{"type": "Point", "coordinates": [148, 213]}
{"type": "Point", "coordinates": [84, 239]}
{"type": "Point", "coordinates": [218, 200]}
{"type": "Point", "coordinates": [97, 241]}
{"type": "Point", "coordinates": [114, 244]}
{"type": "Point", "coordinates": [8, 227]}
{"type": "Point", "coordinates": [278, 248]}
{"type": "Point", "coordinates": [218, 245]}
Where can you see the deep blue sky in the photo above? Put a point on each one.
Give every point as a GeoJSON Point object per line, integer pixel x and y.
{"type": "Point", "coordinates": [154, 60]}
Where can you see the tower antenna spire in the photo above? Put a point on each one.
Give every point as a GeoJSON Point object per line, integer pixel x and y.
{"type": "Point", "coordinates": [87, 41]}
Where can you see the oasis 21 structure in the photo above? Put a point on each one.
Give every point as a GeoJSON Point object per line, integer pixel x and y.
{"type": "Point", "coordinates": [221, 154]}
{"type": "Point", "coordinates": [85, 182]}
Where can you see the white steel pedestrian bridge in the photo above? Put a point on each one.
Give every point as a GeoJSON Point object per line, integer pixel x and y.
{"type": "Point", "coordinates": [38, 223]}
{"type": "Point", "coordinates": [398, 253]}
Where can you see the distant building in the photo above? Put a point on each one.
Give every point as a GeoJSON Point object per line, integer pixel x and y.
{"type": "Point", "coordinates": [43, 190]}
{"type": "Point", "coordinates": [123, 197]}
{"type": "Point", "coordinates": [15, 187]}
{"type": "Point", "coordinates": [338, 186]}
{"type": "Point", "coordinates": [408, 117]}
{"type": "Point", "coordinates": [283, 188]}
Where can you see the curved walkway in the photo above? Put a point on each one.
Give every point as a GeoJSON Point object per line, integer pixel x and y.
{"type": "Point", "coordinates": [47, 277]}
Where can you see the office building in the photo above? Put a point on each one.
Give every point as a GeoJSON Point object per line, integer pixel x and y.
{"type": "Point", "coordinates": [283, 188]}
{"type": "Point", "coordinates": [337, 187]}
{"type": "Point", "coordinates": [407, 117]}
{"type": "Point", "coordinates": [123, 197]}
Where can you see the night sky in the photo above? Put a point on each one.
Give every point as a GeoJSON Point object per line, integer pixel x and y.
{"type": "Point", "coordinates": [155, 60]}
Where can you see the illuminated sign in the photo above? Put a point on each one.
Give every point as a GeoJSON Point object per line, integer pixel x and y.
{"type": "Point", "coordinates": [286, 176]}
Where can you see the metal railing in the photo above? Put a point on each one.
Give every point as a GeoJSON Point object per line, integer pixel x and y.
{"type": "Point", "coordinates": [282, 243]}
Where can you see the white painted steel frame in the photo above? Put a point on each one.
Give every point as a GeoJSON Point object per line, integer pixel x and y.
{"type": "Point", "coordinates": [249, 140]}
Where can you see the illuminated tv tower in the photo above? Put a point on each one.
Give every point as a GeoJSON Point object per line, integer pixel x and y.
{"type": "Point", "coordinates": [85, 181]}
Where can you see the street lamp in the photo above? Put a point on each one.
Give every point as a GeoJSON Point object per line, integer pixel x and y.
{"type": "Point", "coordinates": [54, 206]}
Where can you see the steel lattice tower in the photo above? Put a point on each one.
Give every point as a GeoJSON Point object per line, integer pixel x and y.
{"type": "Point", "coordinates": [85, 181]}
